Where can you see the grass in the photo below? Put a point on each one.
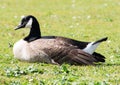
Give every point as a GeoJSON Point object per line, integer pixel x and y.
{"type": "Point", "coordinates": [78, 19]}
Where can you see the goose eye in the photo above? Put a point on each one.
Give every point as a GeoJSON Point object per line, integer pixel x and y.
{"type": "Point", "coordinates": [22, 21]}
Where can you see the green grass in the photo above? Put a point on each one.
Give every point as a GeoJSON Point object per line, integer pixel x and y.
{"type": "Point", "coordinates": [85, 20]}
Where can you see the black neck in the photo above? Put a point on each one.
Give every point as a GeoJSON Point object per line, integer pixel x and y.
{"type": "Point", "coordinates": [34, 32]}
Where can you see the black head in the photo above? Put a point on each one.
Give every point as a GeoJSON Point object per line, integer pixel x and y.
{"type": "Point", "coordinates": [26, 22]}
{"type": "Point", "coordinates": [32, 23]}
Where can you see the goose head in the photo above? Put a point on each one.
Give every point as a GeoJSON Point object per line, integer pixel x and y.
{"type": "Point", "coordinates": [27, 22]}
{"type": "Point", "coordinates": [32, 23]}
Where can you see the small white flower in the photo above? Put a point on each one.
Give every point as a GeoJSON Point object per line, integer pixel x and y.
{"type": "Point", "coordinates": [79, 17]}
{"type": "Point", "coordinates": [108, 41]}
{"type": "Point", "coordinates": [73, 1]}
{"type": "Point", "coordinates": [74, 17]}
{"type": "Point", "coordinates": [3, 7]}
{"type": "Point", "coordinates": [54, 16]}
{"type": "Point", "coordinates": [119, 3]}
{"type": "Point", "coordinates": [77, 24]}
{"type": "Point", "coordinates": [73, 5]}
{"type": "Point", "coordinates": [30, 80]}
{"type": "Point", "coordinates": [71, 26]}
{"type": "Point", "coordinates": [111, 56]}
{"type": "Point", "coordinates": [15, 16]}
{"type": "Point", "coordinates": [88, 17]}
{"type": "Point", "coordinates": [105, 4]}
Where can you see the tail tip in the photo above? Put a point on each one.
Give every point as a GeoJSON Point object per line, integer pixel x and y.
{"type": "Point", "coordinates": [101, 40]}
{"type": "Point", "coordinates": [105, 38]}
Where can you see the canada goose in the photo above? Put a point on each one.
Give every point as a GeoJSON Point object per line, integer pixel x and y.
{"type": "Point", "coordinates": [54, 49]}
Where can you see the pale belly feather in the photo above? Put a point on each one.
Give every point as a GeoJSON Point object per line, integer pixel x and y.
{"type": "Point", "coordinates": [24, 52]}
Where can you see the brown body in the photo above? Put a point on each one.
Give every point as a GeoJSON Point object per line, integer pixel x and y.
{"type": "Point", "coordinates": [58, 50]}
{"type": "Point", "coordinates": [54, 49]}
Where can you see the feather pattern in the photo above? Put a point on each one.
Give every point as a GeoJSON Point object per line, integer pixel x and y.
{"type": "Point", "coordinates": [46, 50]}
{"type": "Point", "coordinates": [52, 49]}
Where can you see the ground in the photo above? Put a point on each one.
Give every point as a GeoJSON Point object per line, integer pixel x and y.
{"type": "Point", "coordinates": [85, 20]}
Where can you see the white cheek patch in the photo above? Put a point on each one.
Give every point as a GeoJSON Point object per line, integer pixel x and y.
{"type": "Point", "coordinates": [29, 23]}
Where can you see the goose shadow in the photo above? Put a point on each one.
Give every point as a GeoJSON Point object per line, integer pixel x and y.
{"type": "Point", "coordinates": [108, 64]}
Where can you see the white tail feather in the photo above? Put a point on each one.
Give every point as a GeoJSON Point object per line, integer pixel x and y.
{"type": "Point", "coordinates": [91, 48]}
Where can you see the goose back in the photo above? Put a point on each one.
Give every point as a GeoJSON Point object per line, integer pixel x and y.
{"type": "Point", "coordinates": [54, 50]}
